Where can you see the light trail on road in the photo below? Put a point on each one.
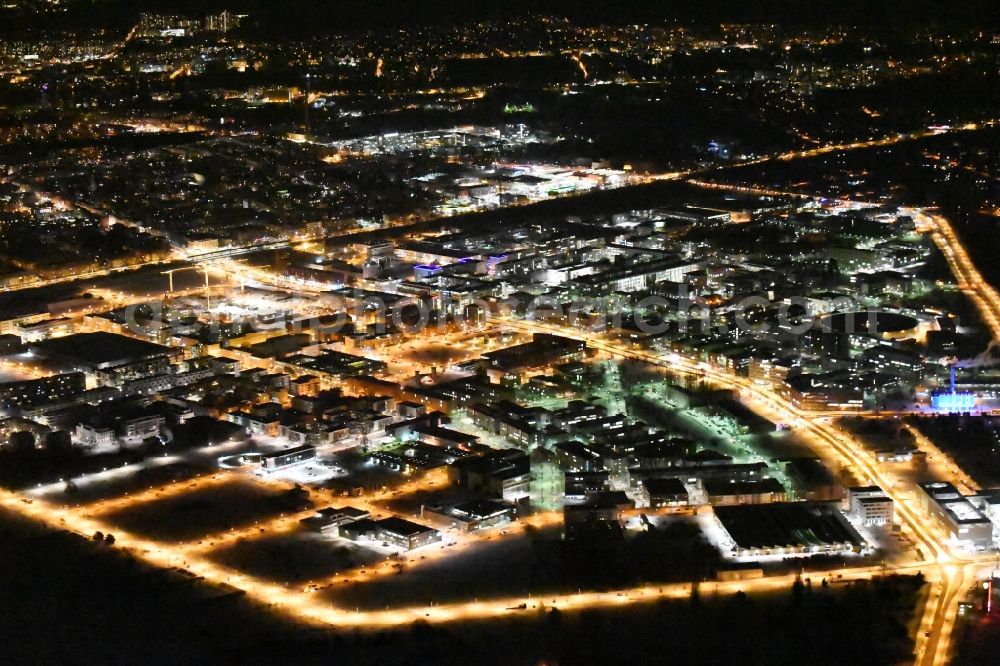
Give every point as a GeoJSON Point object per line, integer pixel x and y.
{"type": "Point", "coordinates": [305, 606]}
{"type": "Point", "coordinates": [951, 569]}
{"type": "Point", "coordinates": [823, 438]}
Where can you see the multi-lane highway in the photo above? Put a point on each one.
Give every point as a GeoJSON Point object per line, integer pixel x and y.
{"type": "Point", "coordinates": [970, 280]}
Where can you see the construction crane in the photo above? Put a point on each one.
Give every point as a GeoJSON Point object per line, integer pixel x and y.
{"type": "Point", "coordinates": [170, 276]}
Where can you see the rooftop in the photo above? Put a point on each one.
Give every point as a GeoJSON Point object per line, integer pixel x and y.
{"type": "Point", "coordinates": [784, 524]}
{"type": "Point", "coordinates": [99, 350]}
{"type": "Point", "coordinates": [403, 527]}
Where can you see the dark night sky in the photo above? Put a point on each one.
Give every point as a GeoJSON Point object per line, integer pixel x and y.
{"type": "Point", "coordinates": [299, 17]}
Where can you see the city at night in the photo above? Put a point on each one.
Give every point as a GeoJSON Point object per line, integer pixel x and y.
{"type": "Point", "coordinates": [439, 332]}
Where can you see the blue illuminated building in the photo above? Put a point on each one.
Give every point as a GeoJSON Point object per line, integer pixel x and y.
{"type": "Point", "coordinates": [426, 270]}
{"type": "Point", "coordinates": [952, 400]}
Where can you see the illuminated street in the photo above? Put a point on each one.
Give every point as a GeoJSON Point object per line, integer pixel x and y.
{"type": "Point", "coordinates": [507, 334]}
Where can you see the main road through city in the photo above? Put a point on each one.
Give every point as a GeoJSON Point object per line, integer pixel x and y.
{"type": "Point", "coordinates": [179, 254]}
{"type": "Point", "coordinates": [956, 569]}
{"type": "Point", "coordinates": [948, 570]}
{"type": "Point", "coordinates": [838, 449]}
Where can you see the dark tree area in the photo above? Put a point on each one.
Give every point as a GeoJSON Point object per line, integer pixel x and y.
{"type": "Point", "coordinates": [972, 442]}
{"type": "Point", "coordinates": [115, 610]}
{"type": "Point", "coordinates": [22, 466]}
{"type": "Point", "coordinates": [676, 551]}
{"type": "Point", "coordinates": [977, 639]}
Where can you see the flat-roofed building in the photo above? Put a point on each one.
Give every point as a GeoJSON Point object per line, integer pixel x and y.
{"type": "Point", "coordinates": [503, 473]}
{"type": "Point", "coordinates": [870, 505]}
{"type": "Point", "coordinates": [733, 491]}
{"type": "Point", "coordinates": [89, 435]}
{"type": "Point", "coordinates": [45, 329]}
{"type": "Point", "coordinates": [634, 277]}
{"type": "Point", "coordinates": [305, 385]}
{"type": "Point", "coordinates": [142, 427]}
{"type": "Point", "coordinates": [955, 514]}
{"type": "Point", "coordinates": [544, 349]}
{"type": "Point", "coordinates": [287, 458]}
{"type": "Point", "coordinates": [410, 410]}
{"type": "Point", "coordinates": [787, 528]}
{"type": "Point", "coordinates": [609, 505]}
{"type": "Point", "coordinates": [875, 510]}
{"type": "Point", "coordinates": [363, 528]}
{"type": "Point", "coordinates": [470, 516]}
{"type": "Point", "coordinates": [42, 391]}
{"type": "Point", "coordinates": [111, 357]}
{"type": "Point", "coordinates": [330, 519]}
{"type": "Point", "coordinates": [405, 534]}
{"type": "Point", "coordinates": [666, 492]}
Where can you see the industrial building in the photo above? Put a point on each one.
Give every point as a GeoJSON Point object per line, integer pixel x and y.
{"type": "Point", "coordinates": [955, 514]}
{"type": "Point", "coordinates": [470, 516]}
{"type": "Point", "coordinates": [869, 505]}
{"type": "Point", "coordinates": [404, 533]}
{"type": "Point", "coordinates": [287, 458]}
{"type": "Point", "coordinates": [787, 528]}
